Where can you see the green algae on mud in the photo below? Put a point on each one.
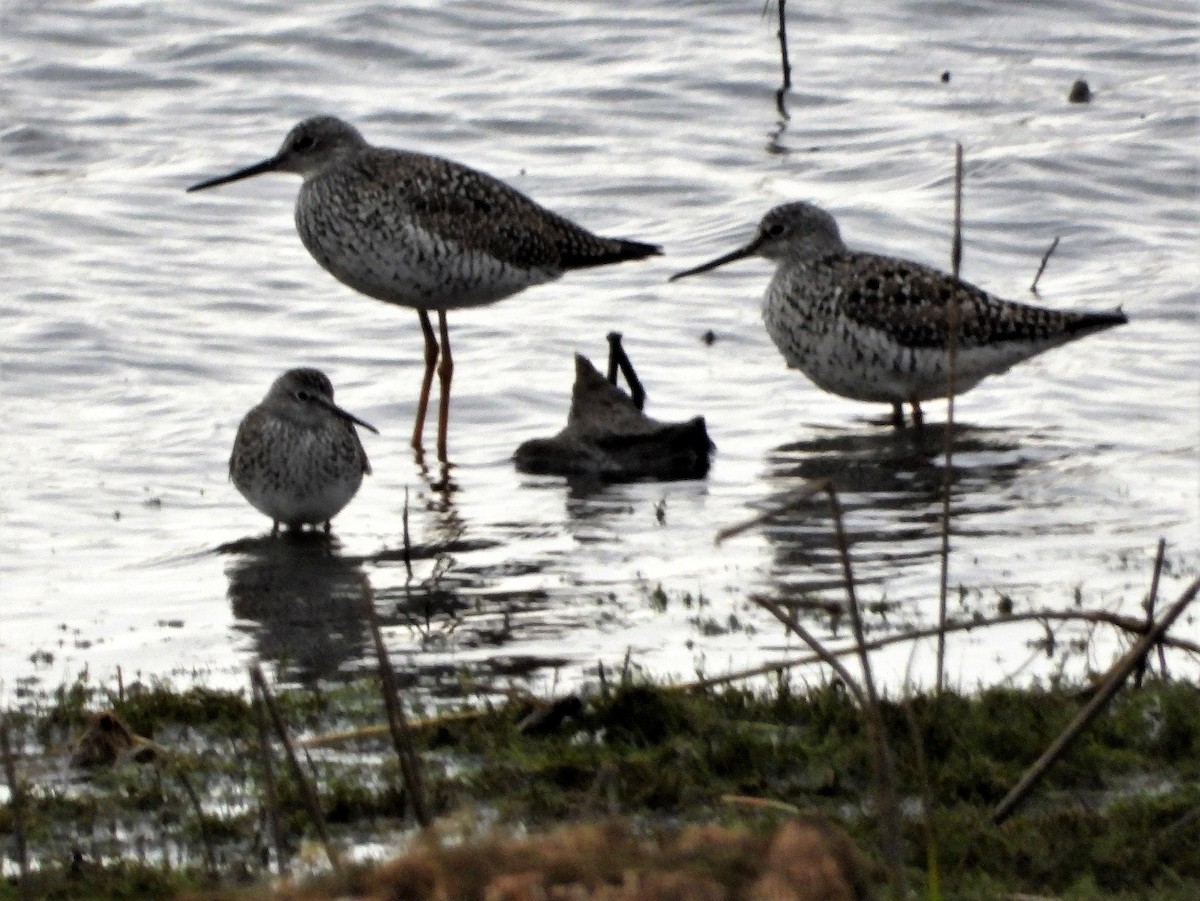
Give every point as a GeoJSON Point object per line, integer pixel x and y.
{"type": "Point", "coordinates": [1115, 818]}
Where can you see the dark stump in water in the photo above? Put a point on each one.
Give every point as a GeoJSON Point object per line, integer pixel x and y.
{"type": "Point", "coordinates": [608, 438]}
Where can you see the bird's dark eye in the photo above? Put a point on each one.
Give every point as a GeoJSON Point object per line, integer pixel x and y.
{"type": "Point", "coordinates": [303, 395]}
{"type": "Point", "coordinates": [304, 142]}
{"type": "Point", "coordinates": [774, 231]}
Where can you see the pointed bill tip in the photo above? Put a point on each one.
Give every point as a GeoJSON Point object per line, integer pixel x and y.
{"type": "Point", "coordinates": [257, 169]}
{"type": "Point", "coordinates": [350, 417]}
{"type": "Point", "coordinates": [344, 414]}
{"type": "Point", "coordinates": [739, 253]}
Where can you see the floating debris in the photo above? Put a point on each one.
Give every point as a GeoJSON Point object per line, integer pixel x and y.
{"type": "Point", "coordinates": [108, 741]}
{"type": "Point", "coordinates": [1080, 92]}
{"type": "Point", "coordinates": [608, 438]}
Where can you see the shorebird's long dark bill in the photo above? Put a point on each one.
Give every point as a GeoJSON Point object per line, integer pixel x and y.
{"type": "Point", "coordinates": [349, 417]}
{"type": "Point", "coordinates": [257, 169]}
{"type": "Point", "coordinates": [739, 254]}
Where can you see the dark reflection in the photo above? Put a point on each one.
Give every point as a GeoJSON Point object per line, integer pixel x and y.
{"type": "Point", "coordinates": [302, 601]}
{"type": "Point", "coordinates": [441, 485]}
{"type": "Point", "coordinates": [775, 143]}
{"type": "Point", "coordinates": [890, 485]}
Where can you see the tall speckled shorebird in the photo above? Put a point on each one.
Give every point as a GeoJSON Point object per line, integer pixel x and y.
{"type": "Point", "coordinates": [424, 232]}
{"type": "Point", "coordinates": [875, 328]}
{"type": "Point", "coordinates": [297, 457]}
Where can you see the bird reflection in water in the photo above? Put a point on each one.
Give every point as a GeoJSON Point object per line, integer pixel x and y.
{"type": "Point", "coordinates": [302, 602]}
{"type": "Point", "coordinates": [890, 487]}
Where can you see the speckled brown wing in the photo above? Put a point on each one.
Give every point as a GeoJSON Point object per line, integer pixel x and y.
{"type": "Point", "coordinates": [247, 451]}
{"type": "Point", "coordinates": [911, 302]}
{"type": "Point", "coordinates": [482, 213]}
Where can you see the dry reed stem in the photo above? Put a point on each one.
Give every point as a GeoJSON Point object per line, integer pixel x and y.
{"type": "Point", "coordinates": [1104, 693]}
{"type": "Point", "coordinates": [866, 694]}
{"type": "Point", "coordinates": [618, 360]}
{"type": "Point", "coordinates": [932, 869]}
{"type": "Point", "coordinates": [210, 857]}
{"type": "Point", "coordinates": [402, 740]}
{"type": "Point", "coordinates": [760, 803]}
{"type": "Point", "coordinates": [785, 62]}
{"type": "Point", "coordinates": [407, 538]}
{"type": "Point", "coordinates": [266, 759]}
{"type": "Point", "coordinates": [1140, 672]}
{"type": "Point", "coordinates": [16, 793]}
{"type": "Point", "coordinates": [1042, 268]}
{"type": "Point", "coordinates": [820, 652]}
{"type": "Point", "coordinates": [1100, 617]}
{"type": "Point", "coordinates": [793, 502]}
{"type": "Point", "coordinates": [889, 810]}
{"type": "Point", "coordinates": [952, 316]}
{"type": "Point", "coordinates": [1128, 624]}
{"type": "Point", "coordinates": [307, 793]}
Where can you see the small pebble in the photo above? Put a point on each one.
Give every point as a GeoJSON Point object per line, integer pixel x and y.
{"type": "Point", "coordinates": [1080, 92]}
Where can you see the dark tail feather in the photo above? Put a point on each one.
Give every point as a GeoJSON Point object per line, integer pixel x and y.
{"type": "Point", "coordinates": [607, 250]}
{"type": "Point", "coordinates": [1086, 323]}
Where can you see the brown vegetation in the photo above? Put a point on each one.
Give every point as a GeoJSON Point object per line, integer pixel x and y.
{"type": "Point", "coordinates": [807, 859]}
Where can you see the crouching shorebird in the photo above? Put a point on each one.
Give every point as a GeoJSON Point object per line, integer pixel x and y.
{"type": "Point", "coordinates": [424, 232]}
{"type": "Point", "coordinates": [875, 328]}
{"type": "Point", "coordinates": [297, 457]}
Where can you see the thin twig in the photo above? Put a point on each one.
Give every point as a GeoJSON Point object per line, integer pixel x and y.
{"type": "Point", "coordinates": [1125, 623]}
{"type": "Point", "coordinates": [860, 639]}
{"type": "Point", "coordinates": [267, 761]}
{"type": "Point", "coordinates": [1128, 624]}
{"type": "Point", "coordinates": [1140, 672]}
{"type": "Point", "coordinates": [820, 652]}
{"type": "Point", "coordinates": [1045, 260]}
{"type": "Point", "coordinates": [407, 538]}
{"type": "Point", "coordinates": [795, 500]}
{"type": "Point", "coordinates": [617, 358]}
{"type": "Point", "coordinates": [16, 794]}
{"type": "Point", "coordinates": [307, 792]}
{"type": "Point", "coordinates": [956, 248]}
{"type": "Point", "coordinates": [933, 873]}
{"type": "Point", "coordinates": [402, 740]}
{"type": "Point", "coordinates": [866, 695]}
{"type": "Point", "coordinates": [210, 857]}
{"type": "Point", "coordinates": [784, 62]}
{"type": "Point", "coordinates": [952, 317]}
{"type": "Point", "coordinates": [1109, 687]}
{"type": "Point", "coordinates": [889, 810]}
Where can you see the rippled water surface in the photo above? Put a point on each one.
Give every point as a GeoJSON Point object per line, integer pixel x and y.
{"type": "Point", "coordinates": [141, 322]}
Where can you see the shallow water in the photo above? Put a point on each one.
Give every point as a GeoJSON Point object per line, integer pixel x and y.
{"type": "Point", "coordinates": [141, 323]}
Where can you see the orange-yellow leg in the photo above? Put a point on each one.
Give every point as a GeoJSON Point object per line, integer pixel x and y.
{"type": "Point", "coordinates": [431, 358]}
{"type": "Point", "coordinates": [445, 374]}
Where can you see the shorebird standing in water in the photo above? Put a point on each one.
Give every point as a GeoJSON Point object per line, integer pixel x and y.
{"type": "Point", "coordinates": [424, 232]}
{"type": "Point", "coordinates": [297, 457]}
{"type": "Point", "coordinates": [875, 328]}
